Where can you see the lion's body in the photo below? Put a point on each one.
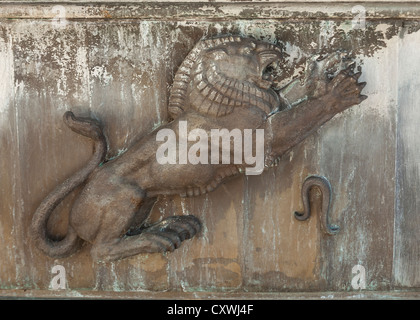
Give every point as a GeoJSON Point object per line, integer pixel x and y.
{"type": "Point", "coordinates": [115, 191]}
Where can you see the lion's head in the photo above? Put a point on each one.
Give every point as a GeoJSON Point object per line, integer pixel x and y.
{"type": "Point", "coordinates": [224, 73]}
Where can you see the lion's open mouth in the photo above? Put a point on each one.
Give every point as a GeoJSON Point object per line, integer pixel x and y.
{"type": "Point", "coordinates": [266, 58]}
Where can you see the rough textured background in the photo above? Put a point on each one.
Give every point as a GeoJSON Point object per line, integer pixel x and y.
{"type": "Point", "coordinates": [120, 71]}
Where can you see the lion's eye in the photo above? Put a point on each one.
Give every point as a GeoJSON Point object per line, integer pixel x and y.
{"type": "Point", "coordinates": [247, 51]}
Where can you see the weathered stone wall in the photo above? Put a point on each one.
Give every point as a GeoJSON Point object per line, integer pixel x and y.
{"type": "Point", "coordinates": [116, 62]}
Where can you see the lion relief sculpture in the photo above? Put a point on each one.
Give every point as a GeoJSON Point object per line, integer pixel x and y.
{"type": "Point", "coordinates": [221, 84]}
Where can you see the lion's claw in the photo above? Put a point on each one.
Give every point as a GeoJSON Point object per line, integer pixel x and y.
{"type": "Point", "coordinates": [345, 90]}
{"type": "Point", "coordinates": [169, 233]}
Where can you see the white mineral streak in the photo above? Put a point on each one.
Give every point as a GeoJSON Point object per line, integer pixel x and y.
{"type": "Point", "coordinates": [7, 79]}
{"type": "Point", "coordinates": [379, 72]}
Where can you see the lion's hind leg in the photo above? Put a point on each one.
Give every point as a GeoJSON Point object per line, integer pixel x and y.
{"type": "Point", "coordinates": [166, 235]}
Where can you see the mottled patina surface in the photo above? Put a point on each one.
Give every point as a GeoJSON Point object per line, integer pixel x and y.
{"type": "Point", "coordinates": [109, 58]}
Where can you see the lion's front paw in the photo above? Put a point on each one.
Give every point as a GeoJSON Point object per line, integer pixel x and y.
{"type": "Point", "coordinates": [345, 90]}
{"type": "Point", "coordinates": [320, 70]}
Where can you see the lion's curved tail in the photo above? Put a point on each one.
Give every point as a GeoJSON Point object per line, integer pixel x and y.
{"type": "Point", "coordinates": [71, 242]}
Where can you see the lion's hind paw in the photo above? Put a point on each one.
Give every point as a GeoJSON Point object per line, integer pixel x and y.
{"type": "Point", "coordinates": [170, 232]}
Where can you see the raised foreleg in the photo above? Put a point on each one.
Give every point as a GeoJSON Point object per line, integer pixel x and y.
{"type": "Point", "coordinates": [287, 128]}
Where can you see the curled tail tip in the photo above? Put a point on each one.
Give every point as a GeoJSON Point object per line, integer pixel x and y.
{"type": "Point", "coordinates": [69, 118]}
{"type": "Point", "coordinates": [87, 127]}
